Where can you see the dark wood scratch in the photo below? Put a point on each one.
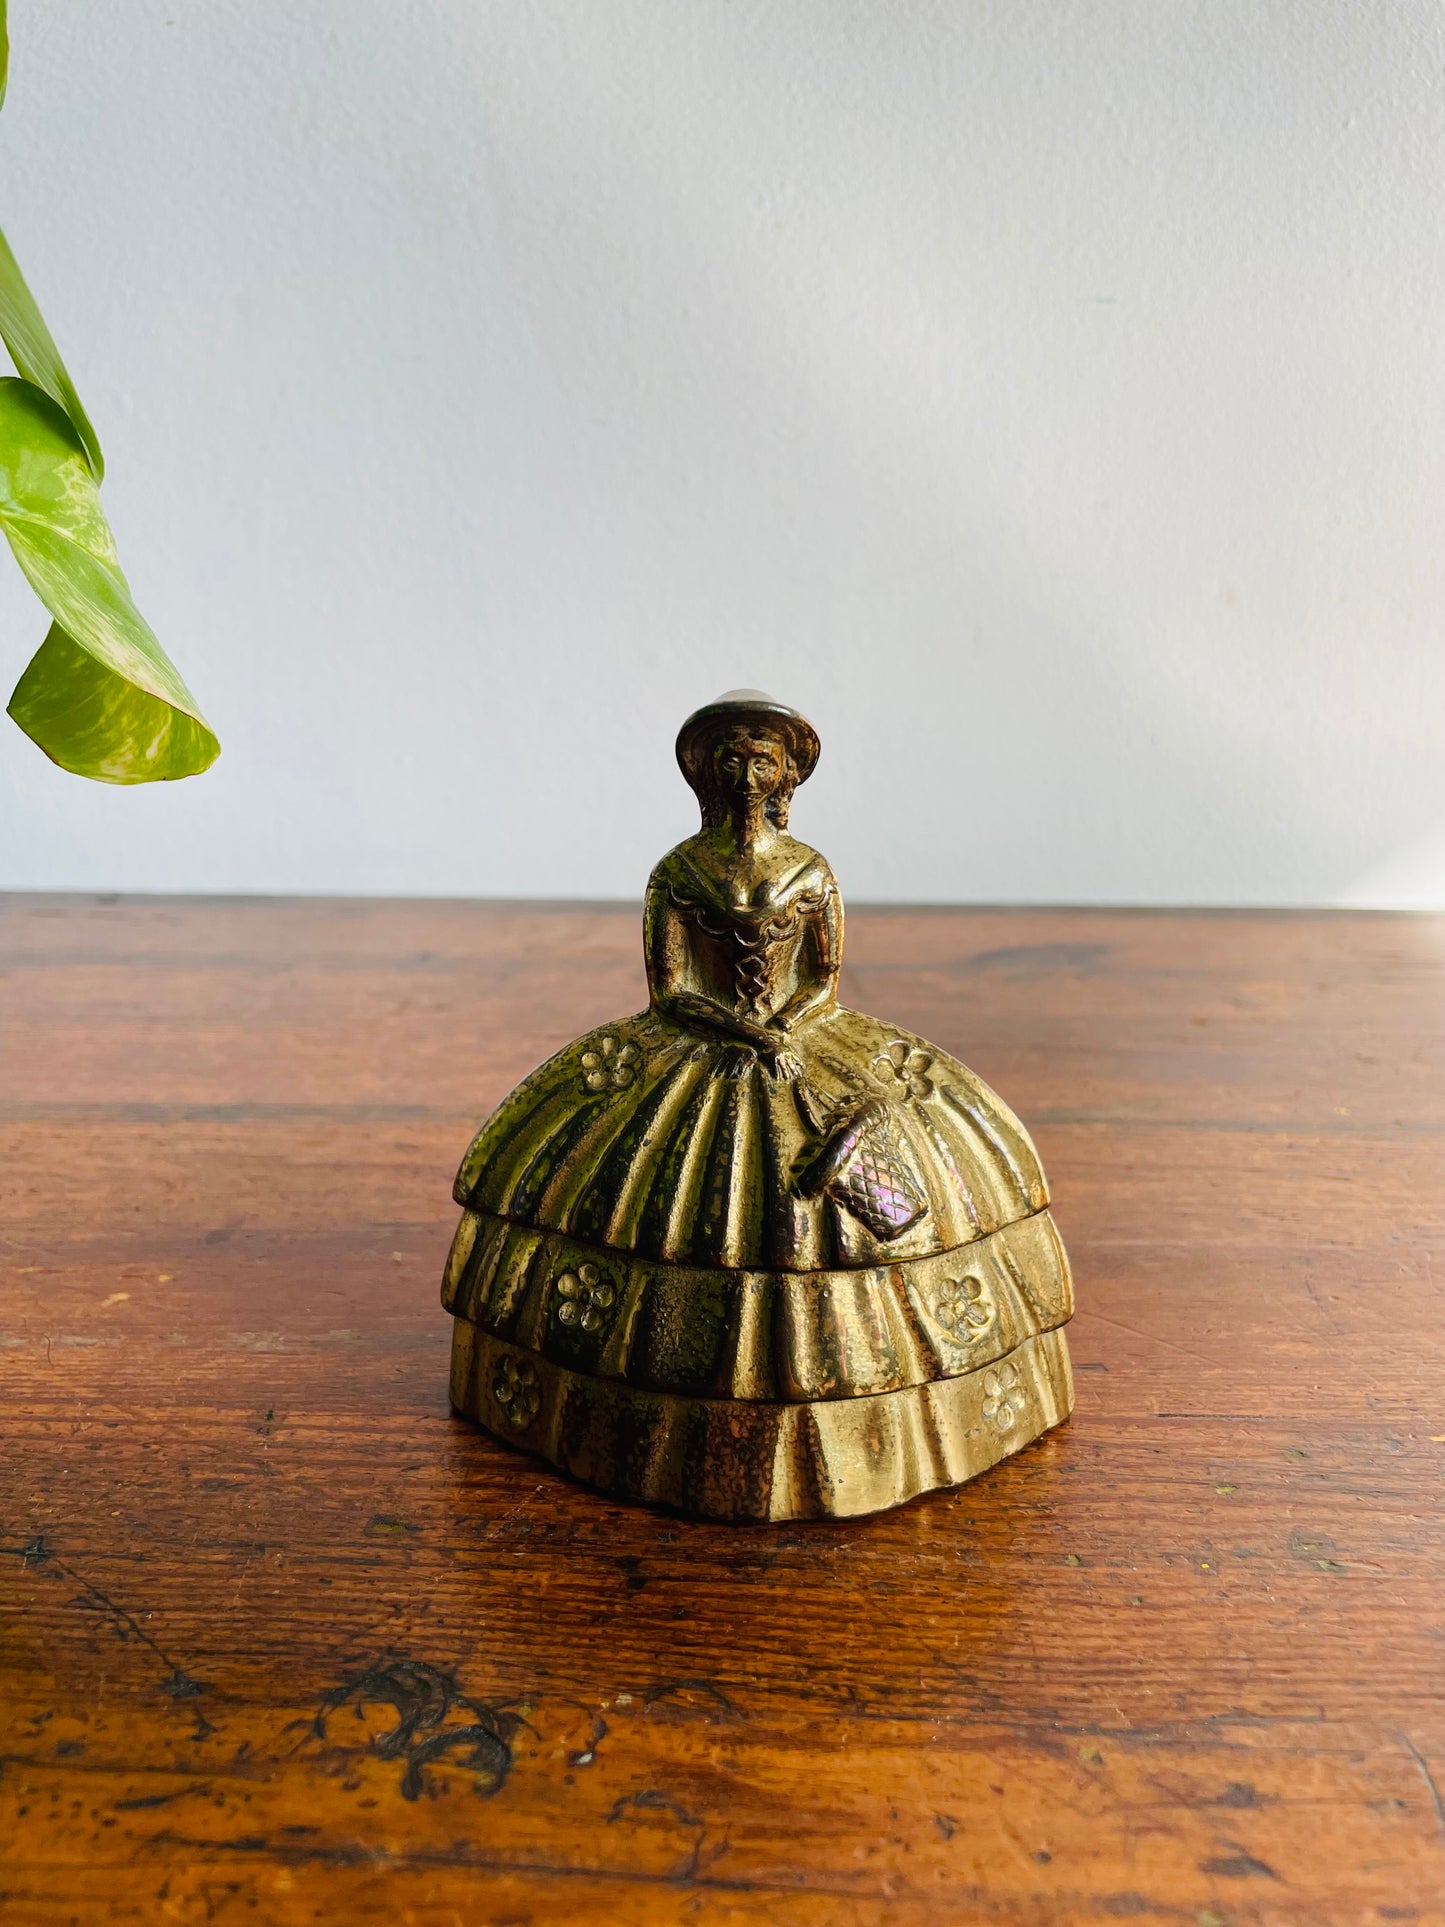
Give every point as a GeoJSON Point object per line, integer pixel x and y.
{"type": "Point", "coordinates": [1429, 1778]}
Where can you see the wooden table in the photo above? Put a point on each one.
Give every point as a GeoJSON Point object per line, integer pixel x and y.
{"type": "Point", "coordinates": [283, 1641]}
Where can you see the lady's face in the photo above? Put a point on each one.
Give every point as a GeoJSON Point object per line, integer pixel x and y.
{"type": "Point", "coordinates": [748, 765]}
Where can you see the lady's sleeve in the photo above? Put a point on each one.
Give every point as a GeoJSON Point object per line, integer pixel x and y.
{"type": "Point", "coordinates": [664, 939]}
{"type": "Point", "coordinates": [828, 929]}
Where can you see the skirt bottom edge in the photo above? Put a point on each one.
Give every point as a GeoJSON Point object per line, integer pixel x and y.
{"type": "Point", "coordinates": [736, 1460]}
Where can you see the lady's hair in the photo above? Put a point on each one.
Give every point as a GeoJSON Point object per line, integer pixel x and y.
{"type": "Point", "coordinates": [701, 774]}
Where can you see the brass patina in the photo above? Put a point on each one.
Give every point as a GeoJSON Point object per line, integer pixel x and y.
{"type": "Point", "coordinates": [750, 1253]}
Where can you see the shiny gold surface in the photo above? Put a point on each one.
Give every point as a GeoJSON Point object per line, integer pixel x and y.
{"type": "Point", "coordinates": [750, 1253]}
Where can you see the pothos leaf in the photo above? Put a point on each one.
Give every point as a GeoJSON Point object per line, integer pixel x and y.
{"type": "Point", "coordinates": [23, 330]}
{"type": "Point", "coordinates": [100, 696]}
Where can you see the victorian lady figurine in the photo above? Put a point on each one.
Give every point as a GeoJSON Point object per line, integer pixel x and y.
{"type": "Point", "coordinates": [750, 1253]}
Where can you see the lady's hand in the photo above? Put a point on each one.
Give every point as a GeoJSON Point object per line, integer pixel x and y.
{"type": "Point", "coordinates": [809, 1004]}
{"type": "Point", "coordinates": [784, 1066]}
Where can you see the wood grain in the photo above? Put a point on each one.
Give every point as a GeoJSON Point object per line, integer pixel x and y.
{"type": "Point", "coordinates": [283, 1641]}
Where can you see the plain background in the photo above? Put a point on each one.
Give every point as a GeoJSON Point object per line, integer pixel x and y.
{"type": "Point", "coordinates": [1048, 398]}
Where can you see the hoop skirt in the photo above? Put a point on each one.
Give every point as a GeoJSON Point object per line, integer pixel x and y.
{"type": "Point", "coordinates": [749, 1292]}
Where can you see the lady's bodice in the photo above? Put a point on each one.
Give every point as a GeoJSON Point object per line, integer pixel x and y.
{"type": "Point", "coordinates": [749, 950]}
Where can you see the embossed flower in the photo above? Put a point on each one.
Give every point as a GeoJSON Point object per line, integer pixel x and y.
{"type": "Point", "coordinates": [908, 1065]}
{"type": "Point", "coordinates": [516, 1390]}
{"type": "Point", "coordinates": [610, 1064]}
{"type": "Point", "coordinates": [1004, 1397]}
{"type": "Point", "coordinates": [965, 1308]}
{"type": "Point", "coordinates": [586, 1298]}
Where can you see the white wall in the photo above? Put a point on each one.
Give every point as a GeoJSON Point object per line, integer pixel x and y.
{"type": "Point", "coordinates": [1047, 397]}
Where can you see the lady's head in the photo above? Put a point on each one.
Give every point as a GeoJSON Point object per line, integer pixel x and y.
{"type": "Point", "coordinates": [745, 750]}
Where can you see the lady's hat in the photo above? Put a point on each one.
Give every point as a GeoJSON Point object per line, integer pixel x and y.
{"type": "Point", "coordinates": [745, 706]}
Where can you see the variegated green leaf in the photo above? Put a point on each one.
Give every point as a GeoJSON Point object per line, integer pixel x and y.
{"type": "Point", "coordinates": [23, 330]}
{"type": "Point", "coordinates": [100, 696]}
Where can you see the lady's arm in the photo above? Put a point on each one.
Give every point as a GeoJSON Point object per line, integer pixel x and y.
{"type": "Point", "coordinates": [668, 955]}
{"type": "Point", "coordinates": [825, 952]}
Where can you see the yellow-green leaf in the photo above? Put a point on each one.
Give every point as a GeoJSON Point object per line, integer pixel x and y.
{"type": "Point", "coordinates": [100, 696]}
{"type": "Point", "coordinates": [23, 330]}
{"type": "Point", "coordinates": [94, 723]}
